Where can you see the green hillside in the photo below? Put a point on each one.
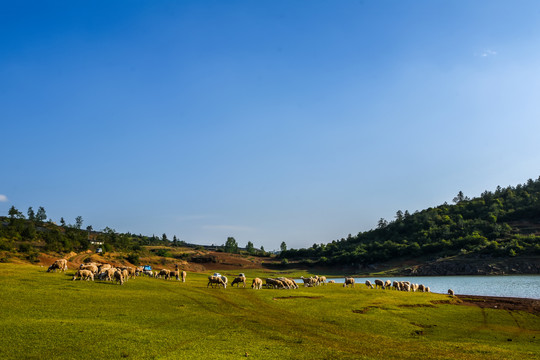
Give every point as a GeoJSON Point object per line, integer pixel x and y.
{"type": "Point", "coordinates": [504, 223]}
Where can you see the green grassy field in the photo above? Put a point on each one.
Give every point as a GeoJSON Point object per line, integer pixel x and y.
{"type": "Point", "coordinates": [46, 315]}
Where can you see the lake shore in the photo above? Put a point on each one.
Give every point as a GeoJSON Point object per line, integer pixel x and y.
{"type": "Point", "coordinates": [504, 303]}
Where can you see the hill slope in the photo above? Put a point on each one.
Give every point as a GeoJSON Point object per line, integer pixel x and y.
{"type": "Point", "coordinates": [501, 226]}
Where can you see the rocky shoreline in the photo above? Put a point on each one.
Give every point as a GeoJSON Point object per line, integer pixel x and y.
{"type": "Point", "coordinates": [528, 266]}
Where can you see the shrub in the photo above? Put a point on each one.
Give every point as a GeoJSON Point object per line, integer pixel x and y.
{"type": "Point", "coordinates": [134, 259]}
{"type": "Point", "coordinates": [163, 253]}
{"type": "Point", "coordinates": [25, 248]}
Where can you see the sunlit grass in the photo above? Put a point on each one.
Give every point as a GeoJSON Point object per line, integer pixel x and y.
{"type": "Point", "coordinates": [46, 315]}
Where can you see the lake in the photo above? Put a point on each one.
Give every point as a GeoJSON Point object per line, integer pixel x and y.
{"type": "Point", "coordinates": [525, 286]}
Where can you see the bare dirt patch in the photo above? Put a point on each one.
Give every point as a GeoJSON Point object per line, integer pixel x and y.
{"type": "Point", "coordinates": [364, 310]}
{"type": "Point", "coordinates": [505, 303]}
{"type": "Point", "coordinates": [296, 297]}
{"type": "Point", "coordinates": [416, 305]}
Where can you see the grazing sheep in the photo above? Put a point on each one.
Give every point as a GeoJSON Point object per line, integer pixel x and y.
{"type": "Point", "coordinates": [239, 279]}
{"type": "Point", "coordinates": [369, 284]}
{"type": "Point", "coordinates": [104, 267]}
{"type": "Point", "coordinates": [106, 274]}
{"type": "Point", "coordinates": [60, 264]}
{"type": "Point", "coordinates": [379, 283]}
{"type": "Point", "coordinates": [396, 285]}
{"type": "Point", "coordinates": [322, 280]}
{"type": "Point", "coordinates": [414, 287]}
{"type": "Point", "coordinates": [308, 281]}
{"type": "Point", "coordinates": [450, 292]}
{"type": "Point", "coordinates": [84, 275]}
{"type": "Point", "coordinates": [183, 274]}
{"type": "Point", "coordinates": [131, 271]}
{"type": "Point", "coordinates": [92, 267]}
{"type": "Point", "coordinates": [421, 288]}
{"type": "Point", "coordinates": [218, 280]}
{"type": "Point", "coordinates": [428, 289]}
{"type": "Point", "coordinates": [288, 283]}
{"type": "Point", "coordinates": [348, 281]}
{"type": "Point", "coordinates": [163, 272]}
{"type": "Point", "coordinates": [406, 286]}
{"type": "Point", "coordinates": [331, 281]}
{"type": "Point", "coordinates": [125, 274]}
{"type": "Point", "coordinates": [257, 284]}
{"type": "Point", "coordinates": [274, 283]}
{"type": "Point", "coordinates": [294, 284]}
{"type": "Point", "coordinates": [291, 284]}
{"type": "Point", "coordinates": [119, 277]}
{"type": "Point", "coordinates": [175, 274]}
{"type": "Point", "coordinates": [148, 273]}
{"type": "Point", "coordinates": [388, 284]}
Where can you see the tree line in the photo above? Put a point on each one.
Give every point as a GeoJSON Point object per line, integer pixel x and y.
{"type": "Point", "coordinates": [502, 223]}
{"type": "Point", "coordinates": [33, 233]}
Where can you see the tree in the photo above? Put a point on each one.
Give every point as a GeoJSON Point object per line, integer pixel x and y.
{"type": "Point", "coordinates": [175, 240]}
{"type": "Point", "coordinates": [250, 248]}
{"type": "Point", "coordinates": [89, 228]}
{"type": "Point", "coordinates": [399, 215]}
{"type": "Point", "coordinates": [31, 214]}
{"type": "Point", "coordinates": [78, 222]}
{"type": "Point", "coordinates": [231, 246]}
{"type": "Point", "coordinates": [460, 197]}
{"type": "Point", "coordinates": [41, 216]}
{"type": "Point", "coordinates": [283, 246]}
{"type": "Point", "coordinates": [164, 237]}
{"type": "Point", "coordinates": [382, 223]}
{"type": "Point", "coordinates": [14, 213]}
{"type": "Point", "coordinates": [62, 222]}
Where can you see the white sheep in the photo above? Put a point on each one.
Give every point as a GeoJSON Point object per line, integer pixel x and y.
{"type": "Point", "coordinates": [84, 275]}
{"type": "Point", "coordinates": [379, 283]}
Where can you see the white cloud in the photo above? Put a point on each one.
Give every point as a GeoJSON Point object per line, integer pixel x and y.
{"type": "Point", "coordinates": [3, 198]}
{"type": "Point", "coordinates": [488, 53]}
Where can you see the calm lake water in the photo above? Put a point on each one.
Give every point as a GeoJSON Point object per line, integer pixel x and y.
{"type": "Point", "coordinates": [525, 286]}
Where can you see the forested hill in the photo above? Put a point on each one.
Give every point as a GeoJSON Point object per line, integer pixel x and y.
{"type": "Point", "coordinates": [498, 224]}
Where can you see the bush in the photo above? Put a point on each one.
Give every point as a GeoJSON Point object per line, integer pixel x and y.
{"type": "Point", "coordinates": [284, 261]}
{"type": "Point", "coordinates": [163, 253]}
{"type": "Point", "coordinates": [181, 256]}
{"type": "Point", "coordinates": [25, 248]}
{"type": "Point", "coordinates": [6, 245]}
{"type": "Point", "coordinates": [134, 259]}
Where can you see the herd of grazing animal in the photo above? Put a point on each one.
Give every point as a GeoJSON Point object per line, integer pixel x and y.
{"type": "Point", "coordinates": [119, 275]}
{"type": "Point", "coordinates": [314, 280]}
{"type": "Point", "coordinates": [107, 272]}
{"type": "Point", "coordinates": [397, 285]}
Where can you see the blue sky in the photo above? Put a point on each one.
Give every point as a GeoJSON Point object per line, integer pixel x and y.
{"type": "Point", "coordinates": [268, 121]}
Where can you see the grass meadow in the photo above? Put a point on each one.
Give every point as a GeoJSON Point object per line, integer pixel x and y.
{"type": "Point", "coordinates": [46, 315]}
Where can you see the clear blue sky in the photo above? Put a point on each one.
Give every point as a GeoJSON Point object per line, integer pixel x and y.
{"type": "Point", "coordinates": [268, 121]}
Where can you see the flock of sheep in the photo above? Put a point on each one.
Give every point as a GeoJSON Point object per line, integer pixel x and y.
{"type": "Point", "coordinates": [388, 284]}
{"type": "Point", "coordinates": [279, 283]}
{"type": "Point", "coordinates": [107, 272]}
